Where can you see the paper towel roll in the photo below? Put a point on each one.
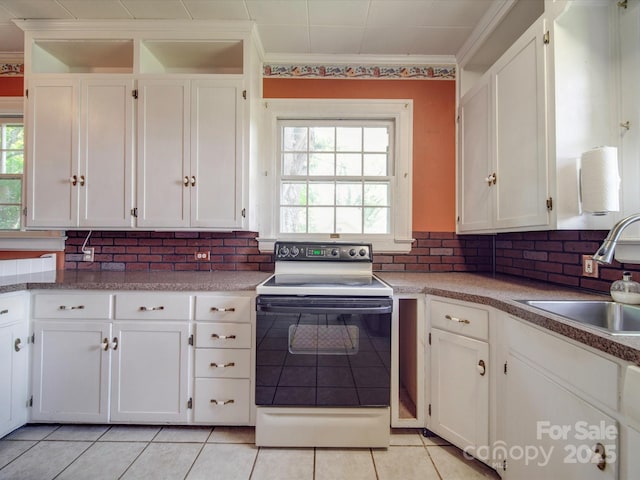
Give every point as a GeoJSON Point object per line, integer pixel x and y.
{"type": "Point", "coordinates": [600, 181]}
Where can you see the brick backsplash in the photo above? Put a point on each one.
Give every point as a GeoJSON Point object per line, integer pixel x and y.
{"type": "Point", "coordinates": [554, 256]}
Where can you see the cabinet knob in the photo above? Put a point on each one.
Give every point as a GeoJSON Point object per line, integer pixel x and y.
{"type": "Point", "coordinates": [482, 368]}
{"type": "Point", "coordinates": [105, 344]}
{"type": "Point", "coordinates": [82, 180]}
{"type": "Point", "coordinates": [222, 337]}
{"type": "Point", "coordinates": [456, 319]}
{"type": "Point", "coordinates": [185, 182]}
{"type": "Point", "coordinates": [17, 345]}
{"type": "Point", "coordinates": [491, 179]}
{"type": "Point", "coordinates": [223, 309]}
{"type": "Point", "coordinates": [221, 402]}
{"type": "Point", "coordinates": [600, 456]}
{"type": "Point", "coordinates": [73, 180]}
{"type": "Point", "coordinates": [193, 181]}
{"type": "Point", "coordinates": [4, 312]}
{"type": "Point", "coordinates": [114, 344]}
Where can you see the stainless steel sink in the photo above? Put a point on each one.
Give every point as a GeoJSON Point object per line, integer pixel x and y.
{"type": "Point", "coordinates": [611, 317]}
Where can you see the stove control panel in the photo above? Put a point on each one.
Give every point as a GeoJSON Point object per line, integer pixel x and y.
{"type": "Point", "coordinates": [328, 252]}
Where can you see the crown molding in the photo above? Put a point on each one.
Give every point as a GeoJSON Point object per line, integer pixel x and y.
{"type": "Point", "coordinates": [11, 57]}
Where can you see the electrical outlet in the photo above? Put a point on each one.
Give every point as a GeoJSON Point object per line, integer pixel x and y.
{"type": "Point", "coordinates": [87, 254]}
{"type": "Point", "coordinates": [205, 255]}
{"type": "Point", "coordinates": [589, 266]}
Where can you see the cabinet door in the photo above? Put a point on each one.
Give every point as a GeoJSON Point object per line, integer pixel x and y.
{"type": "Point", "coordinates": [150, 372]}
{"type": "Point", "coordinates": [460, 389]}
{"type": "Point", "coordinates": [52, 153]}
{"type": "Point", "coordinates": [13, 376]}
{"type": "Point", "coordinates": [216, 154]}
{"type": "Point", "coordinates": [71, 371]}
{"type": "Point", "coordinates": [163, 176]}
{"type": "Point", "coordinates": [520, 133]}
{"type": "Point", "coordinates": [475, 205]}
{"type": "Point", "coordinates": [105, 153]}
{"type": "Point", "coordinates": [557, 430]}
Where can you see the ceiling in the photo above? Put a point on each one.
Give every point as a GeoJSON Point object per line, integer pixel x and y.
{"type": "Point", "coordinates": [287, 27]}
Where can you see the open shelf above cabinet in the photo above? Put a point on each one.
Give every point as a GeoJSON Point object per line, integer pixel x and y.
{"type": "Point", "coordinates": [82, 56]}
{"type": "Point", "coordinates": [189, 56]}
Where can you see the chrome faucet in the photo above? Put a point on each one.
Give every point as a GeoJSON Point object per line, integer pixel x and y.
{"type": "Point", "coordinates": [605, 252]}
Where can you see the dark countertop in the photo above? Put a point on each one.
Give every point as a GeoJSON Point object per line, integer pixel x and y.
{"type": "Point", "coordinates": [501, 292]}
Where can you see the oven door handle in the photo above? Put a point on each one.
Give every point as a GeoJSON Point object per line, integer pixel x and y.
{"type": "Point", "coordinates": [376, 310]}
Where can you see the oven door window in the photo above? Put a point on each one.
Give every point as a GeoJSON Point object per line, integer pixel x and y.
{"type": "Point", "coordinates": [324, 338]}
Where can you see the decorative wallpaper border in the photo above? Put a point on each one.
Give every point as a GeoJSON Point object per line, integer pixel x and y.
{"type": "Point", "coordinates": [410, 72]}
{"type": "Point", "coordinates": [11, 68]}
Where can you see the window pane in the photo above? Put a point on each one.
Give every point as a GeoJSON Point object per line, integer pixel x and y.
{"type": "Point", "coordinates": [375, 165]}
{"type": "Point", "coordinates": [376, 194]}
{"type": "Point", "coordinates": [376, 220]}
{"type": "Point", "coordinates": [349, 164]}
{"type": "Point", "coordinates": [321, 193]}
{"type": "Point", "coordinates": [293, 219]}
{"type": "Point", "coordinates": [293, 194]}
{"type": "Point", "coordinates": [9, 217]}
{"type": "Point", "coordinates": [10, 190]}
{"type": "Point", "coordinates": [294, 164]}
{"type": "Point", "coordinates": [321, 164]}
{"type": "Point", "coordinates": [349, 220]}
{"type": "Point", "coordinates": [349, 139]}
{"type": "Point", "coordinates": [376, 139]}
{"type": "Point", "coordinates": [294, 139]}
{"type": "Point", "coordinates": [349, 194]}
{"type": "Point", "coordinates": [321, 219]}
{"type": "Point", "coordinates": [322, 139]}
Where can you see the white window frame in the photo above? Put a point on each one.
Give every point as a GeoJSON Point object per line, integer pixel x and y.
{"type": "Point", "coordinates": [400, 111]}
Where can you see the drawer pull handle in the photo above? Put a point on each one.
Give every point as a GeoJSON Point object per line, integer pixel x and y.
{"type": "Point", "coordinates": [221, 402]}
{"type": "Point", "coordinates": [482, 368]}
{"type": "Point", "coordinates": [222, 365]}
{"type": "Point", "coordinates": [456, 319]}
{"type": "Point", "coordinates": [74, 307]}
{"type": "Point", "coordinates": [222, 337]}
{"type": "Point", "coordinates": [223, 309]}
{"type": "Point", "coordinates": [600, 456]}
{"type": "Point", "coordinates": [105, 344]}
{"type": "Point", "coordinates": [4, 312]}
{"type": "Point", "coordinates": [17, 345]}
{"type": "Point", "coordinates": [151, 309]}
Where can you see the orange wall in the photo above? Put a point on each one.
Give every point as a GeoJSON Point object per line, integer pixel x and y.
{"type": "Point", "coordinates": [11, 86]}
{"type": "Point", "coordinates": [433, 135]}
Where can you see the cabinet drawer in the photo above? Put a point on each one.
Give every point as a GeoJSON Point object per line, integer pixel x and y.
{"type": "Point", "coordinates": [462, 319]}
{"type": "Point", "coordinates": [223, 335]}
{"type": "Point", "coordinates": [13, 308]}
{"type": "Point", "coordinates": [153, 306]}
{"type": "Point", "coordinates": [223, 362]}
{"type": "Point", "coordinates": [70, 305]}
{"type": "Point", "coordinates": [222, 400]}
{"type": "Point", "coordinates": [223, 308]}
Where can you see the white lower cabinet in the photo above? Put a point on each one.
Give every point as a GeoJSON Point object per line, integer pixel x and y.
{"type": "Point", "coordinates": [14, 361]}
{"type": "Point", "coordinates": [224, 362]}
{"type": "Point", "coordinates": [459, 407]}
{"type": "Point", "coordinates": [150, 372]}
{"type": "Point", "coordinates": [71, 364]}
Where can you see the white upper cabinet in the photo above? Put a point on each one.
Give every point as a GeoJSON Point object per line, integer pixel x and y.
{"type": "Point", "coordinates": [166, 100]}
{"type": "Point", "coordinates": [550, 97]}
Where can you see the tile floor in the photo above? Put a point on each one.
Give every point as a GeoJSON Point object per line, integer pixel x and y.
{"type": "Point", "coordinates": [96, 452]}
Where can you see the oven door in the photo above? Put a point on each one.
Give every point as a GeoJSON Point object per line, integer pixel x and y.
{"type": "Point", "coordinates": [323, 351]}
